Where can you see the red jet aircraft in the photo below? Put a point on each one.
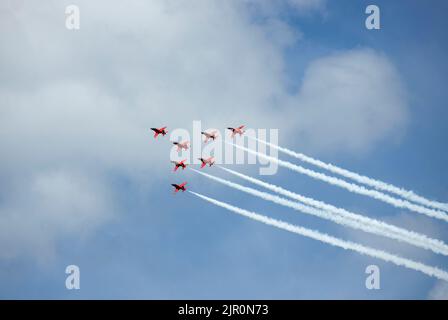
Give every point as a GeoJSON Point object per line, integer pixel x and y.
{"type": "Point", "coordinates": [238, 130]}
{"type": "Point", "coordinates": [181, 145]}
{"type": "Point", "coordinates": [179, 164]}
{"type": "Point", "coordinates": [178, 187]}
{"type": "Point", "coordinates": [210, 161]}
{"type": "Point", "coordinates": [212, 135]}
{"type": "Point", "coordinates": [161, 131]}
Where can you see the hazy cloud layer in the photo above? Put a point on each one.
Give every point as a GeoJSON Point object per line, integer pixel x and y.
{"type": "Point", "coordinates": [77, 102]}
{"type": "Point", "coordinates": [46, 205]}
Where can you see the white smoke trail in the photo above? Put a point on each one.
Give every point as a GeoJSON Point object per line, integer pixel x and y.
{"type": "Point", "coordinates": [382, 228]}
{"type": "Point", "coordinates": [348, 245]}
{"type": "Point", "coordinates": [351, 186]}
{"type": "Point", "coordinates": [377, 184]}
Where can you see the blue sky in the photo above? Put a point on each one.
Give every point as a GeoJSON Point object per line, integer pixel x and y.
{"type": "Point", "coordinates": [82, 181]}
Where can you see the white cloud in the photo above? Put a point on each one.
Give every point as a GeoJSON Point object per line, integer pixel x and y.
{"type": "Point", "coordinates": [50, 205]}
{"type": "Point", "coordinates": [281, 33]}
{"type": "Point", "coordinates": [85, 99]}
{"type": "Point", "coordinates": [350, 101]}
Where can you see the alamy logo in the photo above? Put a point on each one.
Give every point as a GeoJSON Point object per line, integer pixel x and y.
{"type": "Point", "coordinates": [373, 280]}
{"type": "Point", "coordinates": [72, 17]}
{"type": "Point", "coordinates": [73, 279]}
{"type": "Point", "coordinates": [213, 146]}
{"type": "Point", "coordinates": [373, 20]}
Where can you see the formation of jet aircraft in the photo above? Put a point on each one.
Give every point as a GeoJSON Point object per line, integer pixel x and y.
{"type": "Point", "coordinates": [238, 130]}
{"type": "Point", "coordinates": [179, 164]}
{"type": "Point", "coordinates": [161, 131]}
{"type": "Point", "coordinates": [212, 135]}
{"type": "Point", "coordinates": [181, 145]}
{"type": "Point", "coordinates": [210, 161]}
{"type": "Point", "coordinates": [179, 187]}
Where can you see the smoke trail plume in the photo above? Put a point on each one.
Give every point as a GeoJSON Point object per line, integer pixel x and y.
{"type": "Point", "coordinates": [377, 184]}
{"type": "Point", "coordinates": [377, 227]}
{"type": "Point", "coordinates": [347, 245]}
{"type": "Point", "coordinates": [351, 186]}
